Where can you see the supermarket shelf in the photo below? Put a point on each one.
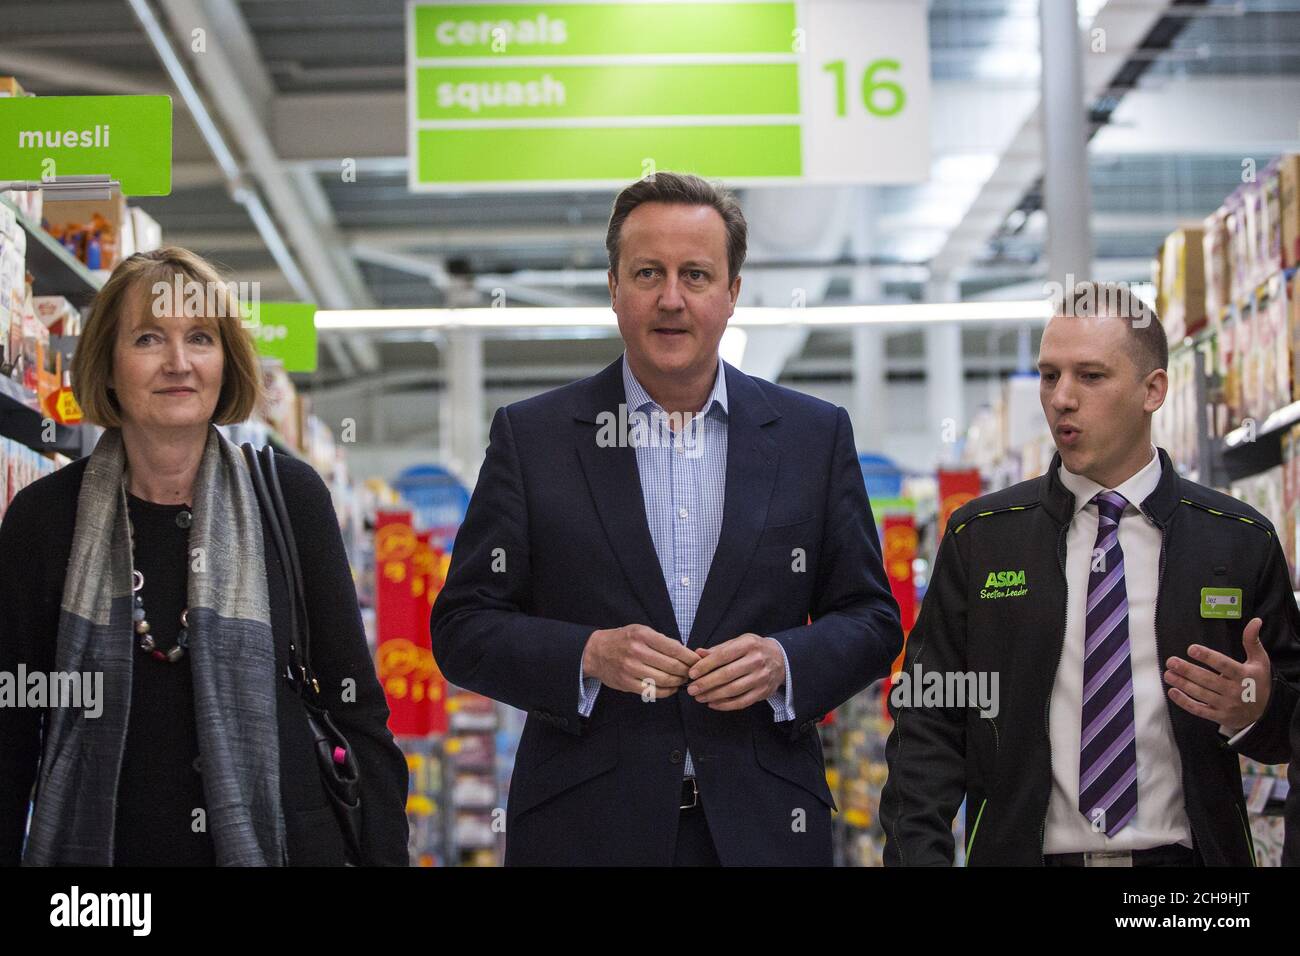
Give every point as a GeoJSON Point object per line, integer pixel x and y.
{"type": "Point", "coordinates": [1284, 416]}
{"type": "Point", "coordinates": [22, 422]}
{"type": "Point", "coordinates": [1243, 457]}
{"type": "Point", "coordinates": [55, 271]}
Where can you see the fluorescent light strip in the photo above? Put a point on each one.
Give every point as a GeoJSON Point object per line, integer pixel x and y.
{"type": "Point", "coordinates": [745, 317]}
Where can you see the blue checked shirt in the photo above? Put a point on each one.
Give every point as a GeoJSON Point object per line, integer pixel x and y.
{"type": "Point", "coordinates": [683, 484]}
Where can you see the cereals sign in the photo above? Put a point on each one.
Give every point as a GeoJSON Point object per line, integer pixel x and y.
{"type": "Point", "coordinates": [565, 95]}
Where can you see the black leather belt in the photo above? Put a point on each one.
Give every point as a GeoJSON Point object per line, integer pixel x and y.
{"type": "Point", "coordinates": [690, 794]}
{"type": "Point", "coordinates": [1175, 854]}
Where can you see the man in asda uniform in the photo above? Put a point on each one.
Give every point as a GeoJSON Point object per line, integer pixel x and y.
{"type": "Point", "coordinates": [1142, 627]}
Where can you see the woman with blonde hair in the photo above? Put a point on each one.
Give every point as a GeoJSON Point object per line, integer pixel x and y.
{"type": "Point", "coordinates": [149, 565]}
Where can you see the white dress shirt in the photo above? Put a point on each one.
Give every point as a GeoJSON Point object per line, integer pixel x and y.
{"type": "Point", "coordinates": [1161, 817]}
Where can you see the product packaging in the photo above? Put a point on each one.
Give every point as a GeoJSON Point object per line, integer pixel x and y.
{"type": "Point", "coordinates": [35, 342]}
{"type": "Point", "coordinates": [1256, 236]}
{"type": "Point", "coordinates": [1289, 202]}
{"type": "Point", "coordinates": [147, 234]}
{"type": "Point", "coordinates": [13, 286]}
{"type": "Point", "coordinates": [1270, 243]}
{"type": "Point", "coordinates": [1181, 283]}
{"type": "Point", "coordinates": [59, 315]}
{"type": "Point", "coordinates": [1238, 257]}
{"type": "Point", "coordinates": [1218, 280]}
{"type": "Point", "coordinates": [1293, 312]}
{"type": "Point", "coordinates": [98, 232]}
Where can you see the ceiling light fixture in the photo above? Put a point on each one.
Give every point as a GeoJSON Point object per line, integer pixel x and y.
{"type": "Point", "coordinates": [745, 317]}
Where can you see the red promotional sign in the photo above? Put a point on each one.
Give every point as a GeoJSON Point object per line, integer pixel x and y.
{"type": "Point", "coordinates": [899, 545]}
{"type": "Point", "coordinates": [408, 575]}
{"type": "Point", "coordinates": [431, 565]}
{"type": "Point", "coordinates": [955, 489]}
{"type": "Point", "coordinates": [900, 552]}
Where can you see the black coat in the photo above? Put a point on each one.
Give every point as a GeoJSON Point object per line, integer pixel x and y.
{"type": "Point", "coordinates": [569, 518]}
{"type": "Point", "coordinates": [35, 544]}
{"type": "Point", "coordinates": [1002, 765]}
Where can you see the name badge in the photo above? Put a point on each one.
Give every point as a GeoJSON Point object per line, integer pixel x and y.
{"type": "Point", "coordinates": [1221, 602]}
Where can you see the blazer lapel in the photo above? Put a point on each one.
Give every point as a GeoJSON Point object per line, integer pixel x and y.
{"type": "Point", "coordinates": [752, 459]}
{"type": "Point", "coordinates": [615, 486]}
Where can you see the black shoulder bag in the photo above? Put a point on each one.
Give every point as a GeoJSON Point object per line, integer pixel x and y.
{"type": "Point", "coordinates": [338, 765]}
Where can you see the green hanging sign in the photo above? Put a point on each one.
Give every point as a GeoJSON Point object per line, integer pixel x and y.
{"type": "Point", "coordinates": [565, 95]}
{"type": "Point", "coordinates": [128, 138]}
{"type": "Point", "coordinates": [285, 331]}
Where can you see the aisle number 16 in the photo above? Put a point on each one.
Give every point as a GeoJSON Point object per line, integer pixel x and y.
{"type": "Point", "coordinates": [882, 98]}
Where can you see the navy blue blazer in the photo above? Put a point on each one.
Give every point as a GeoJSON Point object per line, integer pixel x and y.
{"type": "Point", "coordinates": [556, 544]}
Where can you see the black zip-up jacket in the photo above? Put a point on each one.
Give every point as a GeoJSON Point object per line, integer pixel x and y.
{"type": "Point", "coordinates": [1002, 765]}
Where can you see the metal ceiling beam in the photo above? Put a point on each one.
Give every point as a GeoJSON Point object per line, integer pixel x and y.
{"type": "Point", "coordinates": [369, 241]}
{"type": "Point", "coordinates": [516, 293]}
{"type": "Point", "coordinates": [337, 125]}
{"type": "Point", "coordinates": [1190, 115]}
{"type": "Point", "coordinates": [498, 375]}
{"type": "Point", "coordinates": [317, 206]}
{"type": "Point", "coordinates": [433, 270]}
{"type": "Point", "coordinates": [216, 145]}
{"type": "Point", "coordinates": [1124, 27]}
{"type": "Point", "coordinates": [334, 345]}
{"type": "Point", "coordinates": [68, 73]}
{"type": "Point", "coordinates": [237, 94]}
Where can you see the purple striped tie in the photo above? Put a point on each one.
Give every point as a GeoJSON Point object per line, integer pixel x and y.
{"type": "Point", "coordinates": [1108, 756]}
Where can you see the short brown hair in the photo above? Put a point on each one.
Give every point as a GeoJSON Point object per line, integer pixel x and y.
{"type": "Point", "coordinates": [1088, 299]}
{"type": "Point", "coordinates": [686, 190]}
{"type": "Point", "coordinates": [92, 366]}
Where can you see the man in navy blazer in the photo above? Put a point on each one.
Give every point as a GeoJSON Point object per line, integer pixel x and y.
{"type": "Point", "coordinates": [673, 568]}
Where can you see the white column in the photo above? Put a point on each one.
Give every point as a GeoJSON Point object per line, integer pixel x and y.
{"type": "Point", "coordinates": [869, 409]}
{"type": "Point", "coordinates": [945, 379]}
{"type": "Point", "coordinates": [1066, 194]}
{"type": "Point", "coordinates": [463, 404]}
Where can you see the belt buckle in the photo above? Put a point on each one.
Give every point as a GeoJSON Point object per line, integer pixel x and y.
{"type": "Point", "coordinates": [695, 796]}
{"type": "Point", "coordinates": [1109, 858]}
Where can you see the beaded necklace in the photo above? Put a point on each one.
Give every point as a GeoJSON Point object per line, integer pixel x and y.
{"type": "Point", "coordinates": [140, 619]}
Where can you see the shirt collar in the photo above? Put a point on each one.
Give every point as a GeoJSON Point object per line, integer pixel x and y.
{"type": "Point", "coordinates": [638, 398]}
{"type": "Point", "coordinates": [1135, 490]}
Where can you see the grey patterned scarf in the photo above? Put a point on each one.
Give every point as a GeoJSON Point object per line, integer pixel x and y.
{"type": "Point", "coordinates": [232, 658]}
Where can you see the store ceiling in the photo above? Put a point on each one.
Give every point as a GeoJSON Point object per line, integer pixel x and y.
{"type": "Point", "coordinates": [326, 79]}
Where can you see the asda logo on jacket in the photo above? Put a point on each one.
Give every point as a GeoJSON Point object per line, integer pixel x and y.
{"type": "Point", "coordinates": [1004, 584]}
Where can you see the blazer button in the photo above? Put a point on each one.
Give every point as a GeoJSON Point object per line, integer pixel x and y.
{"type": "Point", "coordinates": [676, 756]}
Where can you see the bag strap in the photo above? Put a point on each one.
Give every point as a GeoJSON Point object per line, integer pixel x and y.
{"type": "Point", "coordinates": [270, 498]}
{"type": "Point", "coordinates": [303, 631]}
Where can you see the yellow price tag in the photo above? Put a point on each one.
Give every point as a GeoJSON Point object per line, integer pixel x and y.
{"type": "Point", "coordinates": [69, 412]}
